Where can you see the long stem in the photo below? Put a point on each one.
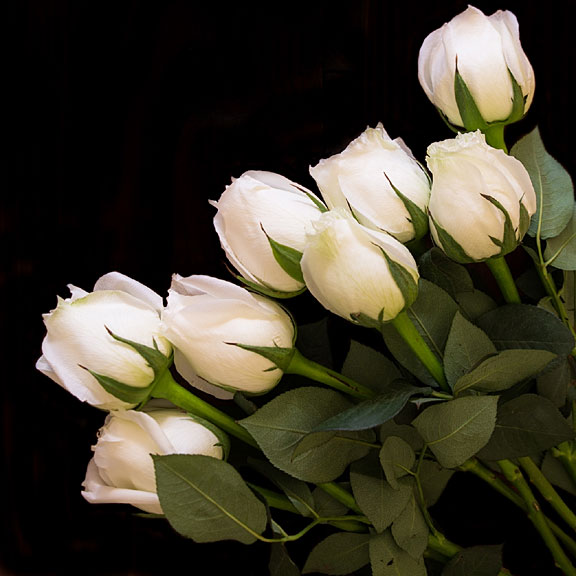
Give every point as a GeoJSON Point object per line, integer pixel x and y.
{"type": "Point", "coordinates": [413, 338]}
{"type": "Point", "coordinates": [302, 366]}
{"type": "Point", "coordinates": [169, 389]}
{"type": "Point", "coordinates": [536, 516]}
{"type": "Point", "coordinates": [550, 287]}
{"type": "Point", "coordinates": [490, 477]}
{"type": "Point", "coordinates": [566, 453]}
{"type": "Point", "coordinates": [501, 272]}
{"type": "Point", "coordinates": [281, 502]}
{"type": "Point", "coordinates": [340, 494]}
{"type": "Point", "coordinates": [547, 490]}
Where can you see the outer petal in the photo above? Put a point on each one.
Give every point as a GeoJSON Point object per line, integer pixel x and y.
{"type": "Point", "coordinates": [465, 172]}
{"type": "Point", "coordinates": [119, 282]}
{"type": "Point", "coordinates": [478, 47]}
{"type": "Point", "coordinates": [257, 204]}
{"type": "Point", "coordinates": [96, 491]}
{"type": "Point", "coordinates": [206, 322]}
{"type": "Point", "coordinates": [361, 179]}
{"type": "Point", "coordinates": [185, 435]}
{"type": "Point", "coordinates": [77, 336]}
{"type": "Point", "coordinates": [345, 270]}
{"type": "Point", "coordinates": [507, 25]}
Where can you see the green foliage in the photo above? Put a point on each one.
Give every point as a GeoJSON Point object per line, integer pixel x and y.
{"type": "Point", "coordinates": [280, 562]}
{"type": "Point", "coordinates": [516, 326]}
{"type": "Point", "coordinates": [456, 430]}
{"type": "Point", "coordinates": [410, 530]}
{"type": "Point", "coordinates": [374, 411]}
{"type": "Point", "coordinates": [283, 422]}
{"type": "Point", "coordinates": [432, 314]}
{"type": "Point", "coordinates": [552, 184]}
{"type": "Point", "coordinates": [379, 501]}
{"type": "Point", "coordinates": [387, 558]}
{"type": "Point", "coordinates": [466, 347]}
{"type": "Point", "coordinates": [206, 499]}
{"type": "Point", "coordinates": [397, 459]}
{"type": "Point", "coordinates": [370, 367]}
{"type": "Point", "coordinates": [504, 370]}
{"type": "Point", "coordinates": [297, 492]}
{"type": "Point", "coordinates": [339, 553]}
{"type": "Point", "coordinates": [525, 426]}
{"type": "Point", "coordinates": [452, 277]}
{"type": "Point", "coordinates": [561, 249]}
{"type": "Point", "coordinates": [475, 561]}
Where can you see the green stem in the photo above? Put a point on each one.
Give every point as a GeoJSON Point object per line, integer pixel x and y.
{"type": "Point", "coordinates": [405, 327]}
{"type": "Point", "coordinates": [302, 366]}
{"type": "Point", "coordinates": [547, 490]}
{"type": "Point", "coordinates": [281, 502]}
{"type": "Point", "coordinates": [550, 287]}
{"type": "Point", "coordinates": [501, 272]}
{"type": "Point", "coordinates": [491, 478]}
{"type": "Point", "coordinates": [566, 453]}
{"type": "Point", "coordinates": [273, 499]}
{"type": "Point", "coordinates": [536, 516]}
{"type": "Point", "coordinates": [340, 494]}
{"type": "Point", "coordinates": [168, 389]}
{"type": "Point", "coordinates": [439, 543]}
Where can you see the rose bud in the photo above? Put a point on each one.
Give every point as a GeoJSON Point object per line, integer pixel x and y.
{"type": "Point", "coordinates": [105, 347]}
{"type": "Point", "coordinates": [482, 199]}
{"type": "Point", "coordinates": [380, 182]}
{"type": "Point", "coordinates": [359, 274]}
{"type": "Point", "coordinates": [474, 70]}
{"type": "Point", "coordinates": [261, 223]}
{"type": "Point", "coordinates": [208, 320]}
{"type": "Point", "coordinates": [122, 469]}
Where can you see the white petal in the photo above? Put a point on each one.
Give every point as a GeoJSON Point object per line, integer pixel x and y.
{"type": "Point", "coordinates": [118, 281]}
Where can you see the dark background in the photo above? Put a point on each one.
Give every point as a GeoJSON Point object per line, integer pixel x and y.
{"type": "Point", "coordinates": [130, 115]}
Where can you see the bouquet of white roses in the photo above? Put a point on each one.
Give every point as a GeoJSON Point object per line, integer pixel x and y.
{"type": "Point", "coordinates": [442, 377]}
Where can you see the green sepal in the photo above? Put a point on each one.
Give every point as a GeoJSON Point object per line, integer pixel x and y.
{"type": "Point", "coordinates": [418, 218]}
{"type": "Point", "coordinates": [509, 241]}
{"type": "Point", "coordinates": [469, 112]}
{"type": "Point", "coordinates": [281, 357]}
{"type": "Point", "coordinates": [518, 101]}
{"type": "Point", "coordinates": [368, 321]}
{"type": "Point", "coordinates": [287, 257]}
{"type": "Point", "coordinates": [135, 394]}
{"type": "Point", "coordinates": [471, 116]}
{"type": "Point", "coordinates": [129, 394]}
{"type": "Point", "coordinates": [404, 280]}
{"type": "Point", "coordinates": [524, 223]}
{"type": "Point", "coordinates": [269, 292]}
{"type": "Point", "coordinates": [449, 246]}
{"type": "Point", "coordinates": [154, 358]}
{"type": "Point", "coordinates": [317, 202]}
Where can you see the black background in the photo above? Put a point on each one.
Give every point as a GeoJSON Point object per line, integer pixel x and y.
{"type": "Point", "coordinates": [129, 116]}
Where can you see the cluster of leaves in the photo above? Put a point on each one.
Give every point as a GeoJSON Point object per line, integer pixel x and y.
{"type": "Point", "coordinates": [510, 372]}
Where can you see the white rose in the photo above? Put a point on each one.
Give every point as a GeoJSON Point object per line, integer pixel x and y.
{"type": "Point", "coordinates": [78, 340]}
{"type": "Point", "coordinates": [259, 206]}
{"type": "Point", "coordinates": [363, 179]}
{"type": "Point", "coordinates": [353, 270]}
{"type": "Point", "coordinates": [203, 320]}
{"type": "Point", "coordinates": [122, 469]}
{"type": "Point", "coordinates": [469, 180]}
{"type": "Point", "coordinates": [487, 51]}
